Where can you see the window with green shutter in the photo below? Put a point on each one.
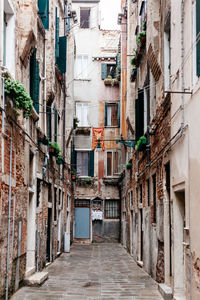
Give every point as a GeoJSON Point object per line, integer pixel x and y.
{"type": "Point", "coordinates": [61, 60]}
{"type": "Point", "coordinates": [34, 80]}
{"type": "Point", "coordinates": [118, 117]}
{"type": "Point", "coordinates": [198, 35]}
{"type": "Point", "coordinates": [56, 34]}
{"type": "Point", "coordinates": [103, 70]}
{"type": "Point", "coordinates": [43, 11]}
{"type": "Point", "coordinates": [91, 163]}
{"type": "Point", "coordinates": [105, 122]}
{"type": "Point", "coordinates": [49, 121]}
{"type": "Point", "coordinates": [139, 115]}
{"type": "Point", "coordinates": [73, 159]}
{"type": "Point", "coordinates": [55, 124]}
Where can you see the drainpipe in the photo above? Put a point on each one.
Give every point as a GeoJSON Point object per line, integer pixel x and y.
{"type": "Point", "coordinates": [45, 88]}
{"type": "Point", "coordinates": [182, 64]}
{"type": "Point", "coordinates": [9, 219]}
{"type": "Point", "coordinates": [38, 246]}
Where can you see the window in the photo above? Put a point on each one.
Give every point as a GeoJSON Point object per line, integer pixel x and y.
{"type": "Point", "coordinates": [82, 114]}
{"type": "Point", "coordinates": [85, 163]}
{"type": "Point", "coordinates": [112, 114]}
{"type": "Point", "coordinates": [141, 194]}
{"type": "Point", "coordinates": [139, 115]}
{"type": "Point", "coordinates": [35, 80]}
{"type": "Point", "coordinates": [112, 163]}
{"type": "Point", "coordinates": [142, 14]}
{"type": "Point", "coordinates": [49, 120]}
{"type": "Point", "coordinates": [8, 37]}
{"type": "Point", "coordinates": [57, 25]}
{"type": "Point", "coordinates": [55, 124]}
{"type": "Point", "coordinates": [111, 209]}
{"type": "Point", "coordinates": [55, 203]}
{"type": "Point", "coordinates": [148, 192]}
{"type": "Point", "coordinates": [154, 198]}
{"type": "Point", "coordinates": [85, 18]}
{"type": "Point", "coordinates": [82, 67]}
{"type": "Point", "coordinates": [108, 70]}
{"type": "Point", "coordinates": [131, 199]}
{"type": "Point", "coordinates": [43, 11]}
{"type": "Point", "coordinates": [38, 197]}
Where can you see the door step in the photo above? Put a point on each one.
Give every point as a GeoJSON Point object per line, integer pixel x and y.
{"type": "Point", "coordinates": [165, 291]}
{"type": "Point", "coordinates": [82, 241]}
{"type": "Point", "coordinates": [36, 279]}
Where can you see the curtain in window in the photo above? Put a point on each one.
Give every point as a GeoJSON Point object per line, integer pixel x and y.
{"type": "Point", "coordinates": [112, 210]}
{"type": "Point", "coordinates": [109, 114]}
{"type": "Point", "coordinates": [82, 163]}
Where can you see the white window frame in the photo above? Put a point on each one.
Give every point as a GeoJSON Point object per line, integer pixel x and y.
{"type": "Point", "coordinates": [81, 67]}
{"type": "Point", "coordinates": [83, 120]}
{"type": "Point", "coordinates": [86, 151]}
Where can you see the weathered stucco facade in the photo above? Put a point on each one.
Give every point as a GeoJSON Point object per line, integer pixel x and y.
{"type": "Point", "coordinates": [94, 183]}
{"type": "Point", "coordinates": [35, 188]}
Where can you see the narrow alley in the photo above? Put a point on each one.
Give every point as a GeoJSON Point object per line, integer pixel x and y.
{"type": "Point", "coordinates": [97, 271]}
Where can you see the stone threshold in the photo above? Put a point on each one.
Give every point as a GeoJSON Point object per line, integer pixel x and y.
{"type": "Point", "coordinates": [36, 279]}
{"type": "Point", "coordinates": [165, 291]}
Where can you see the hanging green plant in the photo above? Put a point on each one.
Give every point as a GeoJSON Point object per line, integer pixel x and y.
{"type": "Point", "coordinates": [19, 96]}
{"type": "Point", "coordinates": [140, 37]}
{"type": "Point", "coordinates": [60, 160]}
{"type": "Point", "coordinates": [129, 166]}
{"type": "Point", "coordinates": [54, 149]}
{"type": "Point", "coordinates": [141, 143]}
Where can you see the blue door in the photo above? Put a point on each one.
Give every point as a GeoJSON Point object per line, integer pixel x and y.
{"type": "Point", "coordinates": [82, 223]}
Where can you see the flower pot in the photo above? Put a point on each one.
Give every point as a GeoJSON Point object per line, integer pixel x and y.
{"type": "Point", "coordinates": [52, 151]}
{"type": "Point", "coordinates": [73, 177]}
{"type": "Point", "coordinates": [133, 75]}
{"type": "Point", "coordinates": [129, 166]}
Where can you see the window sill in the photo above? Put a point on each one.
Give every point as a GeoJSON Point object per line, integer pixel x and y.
{"type": "Point", "coordinates": [84, 79]}
{"type": "Point", "coordinates": [35, 115]}
{"type": "Point", "coordinates": [111, 127]}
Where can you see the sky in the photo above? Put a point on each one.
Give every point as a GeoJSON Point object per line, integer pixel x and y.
{"type": "Point", "coordinates": [109, 12]}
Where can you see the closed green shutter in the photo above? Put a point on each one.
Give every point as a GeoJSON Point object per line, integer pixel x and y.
{"type": "Point", "coordinates": [61, 60]}
{"type": "Point", "coordinates": [43, 7]}
{"type": "Point", "coordinates": [141, 114]}
{"type": "Point", "coordinates": [103, 71]}
{"type": "Point", "coordinates": [106, 119]}
{"type": "Point", "coordinates": [198, 35]}
{"type": "Point", "coordinates": [73, 160]}
{"type": "Point", "coordinates": [118, 114]}
{"type": "Point", "coordinates": [91, 163]}
{"type": "Point", "coordinates": [34, 80]}
{"type": "Point", "coordinates": [67, 28]}
{"type": "Point", "coordinates": [49, 121]}
{"type": "Point", "coordinates": [55, 124]}
{"type": "Point", "coordinates": [57, 36]}
{"type": "Point", "coordinates": [137, 136]}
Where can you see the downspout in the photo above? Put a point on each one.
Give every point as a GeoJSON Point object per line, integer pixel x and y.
{"type": "Point", "coordinates": [182, 65]}
{"type": "Point", "coordinates": [9, 219]}
{"type": "Point", "coordinates": [45, 88]}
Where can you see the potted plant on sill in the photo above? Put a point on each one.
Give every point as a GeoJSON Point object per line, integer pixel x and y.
{"type": "Point", "coordinates": [76, 121]}
{"type": "Point", "coordinates": [43, 139]}
{"type": "Point", "coordinates": [54, 149]}
{"type": "Point", "coordinates": [141, 143]}
{"type": "Point", "coordinates": [133, 74]}
{"type": "Point", "coordinates": [108, 80]}
{"type": "Point", "coordinates": [73, 175]}
{"type": "Point", "coordinates": [129, 166]}
{"type": "Point", "coordinates": [60, 160]}
{"type": "Point", "coordinates": [19, 96]}
{"type": "Point", "coordinates": [141, 38]}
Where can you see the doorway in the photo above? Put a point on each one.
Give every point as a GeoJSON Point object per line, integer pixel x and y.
{"type": "Point", "coordinates": [30, 259]}
{"type": "Point", "coordinates": [82, 219]}
{"type": "Point", "coordinates": [48, 247]}
{"type": "Point", "coordinates": [179, 253]}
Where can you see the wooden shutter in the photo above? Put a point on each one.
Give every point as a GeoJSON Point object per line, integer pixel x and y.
{"type": "Point", "coordinates": [198, 35]}
{"type": "Point", "coordinates": [49, 121]}
{"type": "Point", "coordinates": [55, 124]}
{"type": "Point", "coordinates": [61, 60]}
{"type": "Point", "coordinates": [73, 160]}
{"type": "Point", "coordinates": [43, 11]}
{"type": "Point", "coordinates": [91, 163]}
{"type": "Point", "coordinates": [103, 71]}
{"type": "Point", "coordinates": [118, 114]}
{"type": "Point", "coordinates": [141, 112]}
{"type": "Point", "coordinates": [34, 81]}
{"type": "Point", "coordinates": [139, 115]}
{"type": "Point", "coordinates": [106, 119]}
{"type": "Point", "coordinates": [57, 35]}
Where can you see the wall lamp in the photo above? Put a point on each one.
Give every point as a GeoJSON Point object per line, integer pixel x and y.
{"type": "Point", "coordinates": [126, 143]}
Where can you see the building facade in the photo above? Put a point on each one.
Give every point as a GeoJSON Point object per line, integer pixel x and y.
{"type": "Point", "coordinates": [34, 161]}
{"type": "Point", "coordinates": [96, 112]}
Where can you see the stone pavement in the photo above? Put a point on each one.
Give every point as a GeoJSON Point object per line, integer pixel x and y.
{"type": "Point", "coordinates": [93, 272]}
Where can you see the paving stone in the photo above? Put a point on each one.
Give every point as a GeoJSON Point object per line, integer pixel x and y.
{"type": "Point", "coordinates": [93, 272]}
